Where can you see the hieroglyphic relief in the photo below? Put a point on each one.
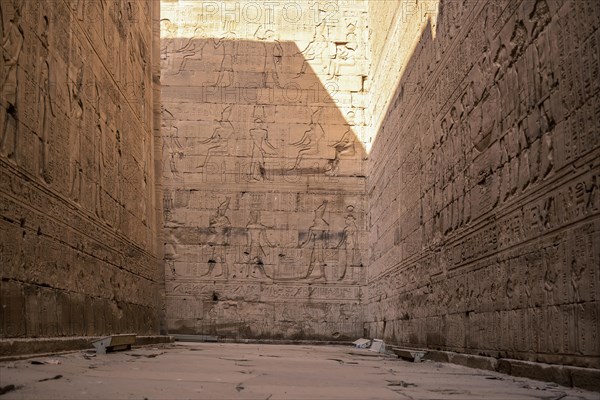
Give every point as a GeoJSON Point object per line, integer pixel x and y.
{"type": "Point", "coordinates": [75, 153]}
{"type": "Point", "coordinates": [318, 47]}
{"type": "Point", "coordinates": [268, 160]}
{"type": "Point", "coordinates": [497, 113]}
{"type": "Point", "coordinates": [345, 146]}
{"type": "Point", "coordinates": [12, 43]}
{"type": "Point", "coordinates": [218, 142]}
{"type": "Point", "coordinates": [308, 144]}
{"type": "Point", "coordinates": [274, 56]}
{"type": "Point", "coordinates": [345, 52]}
{"type": "Point", "coordinates": [46, 109]}
{"type": "Point", "coordinates": [258, 245]}
{"type": "Point", "coordinates": [349, 243]}
{"type": "Point", "coordinates": [317, 241]}
{"type": "Point", "coordinates": [76, 101]}
{"type": "Point", "coordinates": [173, 150]}
{"type": "Point", "coordinates": [261, 148]}
{"type": "Point", "coordinates": [172, 50]}
{"type": "Point", "coordinates": [217, 240]}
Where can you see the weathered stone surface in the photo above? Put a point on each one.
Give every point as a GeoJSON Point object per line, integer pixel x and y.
{"type": "Point", "coordinates": [78, 249]}
{"type": "Point", "coordinates": [11, 349]}
{"type": "Point", "coordinates": [264, 202]}
{"type": "Point", "coordinates": [209, 371]}
{"type": "Point", "coordinates": [425, 172]}
{"type": "Point", "coordinates": [543, 372]}
{"type": "Point", "coordinates": [585, 378]}
{"type": "Point", "coordinates": [483, 179]}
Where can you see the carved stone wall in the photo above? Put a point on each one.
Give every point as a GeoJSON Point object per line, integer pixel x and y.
{"type": "Point", "coordinates": [78, 254]}
{"type": "Point", "coordinates": [263, 112]}
{"type": "Point", "coordinates": [483, 179]}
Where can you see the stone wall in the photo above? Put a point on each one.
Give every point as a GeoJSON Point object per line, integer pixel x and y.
{"type": "Point", "coordinates": [483, 180]}
{"type": "Point", "coordinates": [263, 175]}
{"type": "Point", "coordinates": [78, 224]}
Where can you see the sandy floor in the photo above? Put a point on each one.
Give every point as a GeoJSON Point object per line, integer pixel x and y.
{"type": "Point", "coordinates": [238, 371]}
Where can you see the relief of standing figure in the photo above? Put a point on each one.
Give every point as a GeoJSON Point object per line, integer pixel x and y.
{"type": "Point", "coordinates": [257, 242]}
{"type": "Point", "coordinates": [12, 43]}
{"type": "Point", "coordinates": [349, 242]}
{"type": "Point", "coordinates": [45, 105]}
{"type": "Point", "coordinates": [317, 240]}
{"type": "Point", "coordinates": [261, 148]}
{"type": "Point", "coordinates": [219, 228]}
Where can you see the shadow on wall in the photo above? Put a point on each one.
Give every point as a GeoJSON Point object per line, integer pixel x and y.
{"type": "Point", "coordinates": [264, 183]}
{"type": "Point", "coordinates": [491, 209]}
{"type": "Point", "coordinates": [259, 105]}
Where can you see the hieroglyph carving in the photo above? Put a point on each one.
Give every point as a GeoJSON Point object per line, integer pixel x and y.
{"type": "Point", "coordinates": [274, 55]}
{"type": "Point", "coordinates": [47, 83]}
{"type": "Point", "coordinates": [318, 48]}
{"type": "Point", "coordinates": [317, 241]}
{"type": "Point", "coordinates": [345, 52]}
{"type": "Point", "coordinates": [309, 143]}
{"type": "Point", "coordinates": [261, 148]}
{"type": "Point", "coordinates": [75, 80]}
{"type": "Point", "coordinates": [257, 245]}
{"type": "Point", "coordinates": [219, 142]}
{"type": "Point", "coordinates": [219, 227]}
{"type": "Point", "coordinates": [12, 43]}
{"type": "Point", "coordinates": [349, 243]}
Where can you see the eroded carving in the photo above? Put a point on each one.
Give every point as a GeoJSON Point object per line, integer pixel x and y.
{"type": "Point", "coordinates": [12, 43]}
{"type": "Point", "coordinates": [345, 52]}
{"type": "Point", "coordinates": [349, 243]}
{"type": "Point", "coordinates": [310, 141]}
{"type": "Point", "coordinates": [317, 239]}
{"type": "Point", "coordinates": [218, 142]}
{"type": "Point", "coordinates": [75, 81]}
{"type": "Point", "coordinates": [258, 244]}
{"type": "Point", "coordinates": [261, 149]}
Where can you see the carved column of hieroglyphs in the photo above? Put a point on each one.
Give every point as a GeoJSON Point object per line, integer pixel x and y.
{"type": "Point", "coordinates": [484, 178]}
{"type": "Point", "coordinates": [77, 254]}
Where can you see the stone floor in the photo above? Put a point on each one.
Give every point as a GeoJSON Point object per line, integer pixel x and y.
{"type": "Point", "coordinates": [238, 371]}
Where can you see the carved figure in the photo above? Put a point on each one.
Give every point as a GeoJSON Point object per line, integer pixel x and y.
{"type": "Point", "coordinates": [344, 52]}
{"type": "Point", "coordinates": [45, 105]}
{"type": "Point", "coordinates": [273, 56]}
{"type": "Point", "coordinates": [229, 44]}
{"type": "Point", "coordinates": [171, 254]}
{"type": "Point", "coordinates": [12, 43]}
{"type": "Point", "coordinates": [76, 110]}
{"type": "Point", "coordinates": [257, 243]}
{"type": "Point", "coordinates": [349, 241]}
{"type": "Point", "coordinates": [576, 277]}
{"type": "Point", "coordinates": [219, 228]}
{"type": "Point", "coordinates": [172, 142]}
{"type": "Point", "coordinates": [309, 143]}
{"type": "Point", "coordinates": [45, 112]}
{"type": "Point", "coordinates": [317, 46]}
{"type": "Point", "coordinates": [261, 148]}
{"type": "Point", "coordinates": [175, 53]}
{"type": "Point", "coordinates": [98, 153]}
{"type": "Point", "coordinates": [344, 146]}
{"type": "Point", "coordinates": [218, 142]}
{"type": "Point", "coordinates": [317, 240]}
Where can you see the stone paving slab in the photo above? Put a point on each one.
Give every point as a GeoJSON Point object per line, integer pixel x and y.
{"type": "Point", "coordinates": [249, 371]}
